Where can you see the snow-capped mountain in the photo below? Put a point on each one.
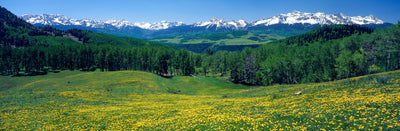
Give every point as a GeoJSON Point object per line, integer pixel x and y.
{"type": "Point", "coordinates": [297, 17]}
{"type": "Point", "coordinates": [165, 25]}
{"type": "Point", "coordinates": [302, 21]}
{"type": "Point", "coordinates": [239, 23]}
{"type": "Point", "coordinates": [149, 26]}
{"type": "Point", "coordinates": [218, 23]}
{"type": "Point", "coordinates": [294, 17]}
{"type": "Point", "coordinates": [58, 19]}
{"type": "Point", "coordinates": [213, 22]}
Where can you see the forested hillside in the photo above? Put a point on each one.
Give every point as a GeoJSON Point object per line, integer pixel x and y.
{"type": "Point", "coordinates": [327, 57]}
{"type": "Point", "coordinates": [216, 41]}
{"type": "Point", "coordinates": [323, 54]}
{"type": "Point", "coordinates": [27, 50]}
{"type": "Point", "coordinates": [16, 32]}
{"type": "Point", "coordinates": [41, 59]}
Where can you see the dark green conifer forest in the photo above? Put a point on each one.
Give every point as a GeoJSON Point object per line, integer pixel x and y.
{"type": "Point", "coordinates": [323, 54]}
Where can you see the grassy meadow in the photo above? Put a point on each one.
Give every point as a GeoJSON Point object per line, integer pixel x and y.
{"type": "Point", "coordinates": [134, 100]}
{"type": "Point", "coordinates": [224, 39]}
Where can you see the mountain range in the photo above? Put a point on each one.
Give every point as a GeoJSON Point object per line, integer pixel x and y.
{"type": "Point", "coordinates": [151, 30]}
{"type": "Point", "coordinates": [58, 19]}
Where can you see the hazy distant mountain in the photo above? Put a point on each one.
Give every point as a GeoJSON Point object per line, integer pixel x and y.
{"type": "Point", "coordinates": [297, 17]}
{"type": "Point", "coordinates": [217, 23]}
{"type": "Point", "coordinates": [58, 19]}
{"type": "Point", "coordinates": [149, 30]}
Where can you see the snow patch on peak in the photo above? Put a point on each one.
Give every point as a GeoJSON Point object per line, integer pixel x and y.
{"type": "Point", "coordinates": [220, 23]}
{"type": "Point", "coordinates": [142, 25]}
{"type": "Point", "coordinates": [58, 19]}
{"type": "Point", "coordinates": [239, 23]}
{"type": "Point", "coordinates": [297, 17]}
{"type": "Point", "coordinates": [214, 21]}
{"type": "Point", "coordinates": [47, 19]}
{"type": "Point", "coordinates": [118, 23]}
{"type": "Point", "coordinates": [164, 25]}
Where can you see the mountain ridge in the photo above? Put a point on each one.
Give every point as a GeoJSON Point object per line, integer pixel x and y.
{"type": "Point", "coordinates": [317, 18]}
{"type": "Point", "coordinates": [58, 19]}
{"type": "Point", "coordinates": [294, 17]}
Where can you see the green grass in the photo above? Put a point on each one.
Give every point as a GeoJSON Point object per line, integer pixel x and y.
{"type": "Point", "coordinates": [117, 82]}
{"type": "Point", "coordinates": [134, 100]}
{"type": "Point", "coordinates": [228, 39]}
{"type": "Point", "coordinates": [231, 41]}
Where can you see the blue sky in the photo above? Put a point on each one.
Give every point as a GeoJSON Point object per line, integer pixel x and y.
{"type": "Point", "coordinates": [190, 11]}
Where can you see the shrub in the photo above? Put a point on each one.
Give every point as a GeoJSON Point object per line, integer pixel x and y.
{"type": "Point", "coordinates": [173, 91]}
{"type": "Point", "coordinates": [382, 79]}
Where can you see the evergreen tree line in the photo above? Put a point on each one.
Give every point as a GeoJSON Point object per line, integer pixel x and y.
{"type": "Point", "coordinates": [326, 33]}
{"type": "Point", "coordinates": [22, 37]}
{"type": "Point", "coordinates": [327, 53]}
{"type": "Point", "coordinates": [41, 59]}
{"type": "Point", "coordinates": [16, 32]}
{"type": "Point", "coordinates": [322, 56]}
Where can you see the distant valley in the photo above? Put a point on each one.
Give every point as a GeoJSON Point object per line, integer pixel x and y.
{"type": "Point", "coordinates": [150, 30]}
{"type": "Point", "coordinates": [303, 71]}
{"type": "Point", "coordinates": [214, 34]}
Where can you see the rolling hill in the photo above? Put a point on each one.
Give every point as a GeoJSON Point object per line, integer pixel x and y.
{"type": "Point", "coordinates": [213, 34]}
{"type": "Point", "coordinates": [137, 100]}
{"type": "Point", "coordinates": [289, 24]}
{"type": "Point", "coordinates": [80, 80]}
{"type": "Point", "coordinates": [27, 50]}
{"type": "Point", "coordinates": [231, 41]}
{"type": "Point", "coordinates": [323, 54]}
{"type": "Point", "coordinates": [18, 33]}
